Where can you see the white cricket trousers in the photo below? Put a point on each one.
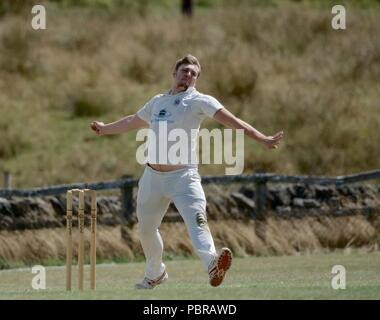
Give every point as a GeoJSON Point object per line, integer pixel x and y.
{"type": "Point", "coordinates": [156, 190]}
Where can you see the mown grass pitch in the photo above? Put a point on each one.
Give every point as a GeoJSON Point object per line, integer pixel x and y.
{"type": "Point", "coordinates": [281, 277]}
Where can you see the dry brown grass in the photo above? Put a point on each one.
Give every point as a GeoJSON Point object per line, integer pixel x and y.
{"type": "Point", "coordinates": [319, 233]}
{"type": "Point", "coordinates": [277, 68]}
{"type": "Point", "coordinates": [281, 237]}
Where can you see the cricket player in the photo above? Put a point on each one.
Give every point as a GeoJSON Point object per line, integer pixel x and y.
{"type": "Point", "coordinates": [164, 180]}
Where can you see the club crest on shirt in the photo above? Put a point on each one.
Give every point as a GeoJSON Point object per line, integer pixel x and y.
{"type": "Point", "coordinates": [163, 114]}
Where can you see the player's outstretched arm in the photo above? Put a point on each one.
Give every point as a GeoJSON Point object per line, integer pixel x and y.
{"type": "Point", "coordinates": [120, 126]}
{"type": "Point", "coordinates": [229, 120]}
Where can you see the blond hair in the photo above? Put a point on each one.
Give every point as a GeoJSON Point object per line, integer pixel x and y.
{"type": "Point", "coordinates": [188, 59]}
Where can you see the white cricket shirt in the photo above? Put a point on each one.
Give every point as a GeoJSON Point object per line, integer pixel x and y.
{"type": "Point", "coordinates": [174, 122]}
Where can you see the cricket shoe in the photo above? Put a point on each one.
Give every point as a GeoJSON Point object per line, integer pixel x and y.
{"type": "Point", "coordinates": [147, 283]}
{"type": "Point", "coordinates": [219, 267]}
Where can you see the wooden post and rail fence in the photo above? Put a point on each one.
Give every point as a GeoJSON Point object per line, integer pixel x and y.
{"type": "Point", "coordinates": [127, 184]}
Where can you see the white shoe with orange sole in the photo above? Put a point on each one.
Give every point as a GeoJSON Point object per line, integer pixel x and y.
{"type": "Point", "coordinates": [220, 266]}
{"type": "Point", "coordinates": [147, 283]}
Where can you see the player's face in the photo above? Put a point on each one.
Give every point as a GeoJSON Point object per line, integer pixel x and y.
{"type": "Point", "coordinates": [186, 75]}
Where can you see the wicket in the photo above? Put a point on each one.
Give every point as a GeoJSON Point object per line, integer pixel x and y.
{"type": "Point", "coordinates": [69, 228]}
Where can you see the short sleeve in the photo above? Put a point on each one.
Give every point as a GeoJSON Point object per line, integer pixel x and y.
{"type": "Point", "coordinates": [206, 105]}
{"type": "Point", "coordinates": [145, 112]}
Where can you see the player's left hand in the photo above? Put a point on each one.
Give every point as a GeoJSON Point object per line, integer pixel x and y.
{"type": "Point", "coordinates": [273, 142]}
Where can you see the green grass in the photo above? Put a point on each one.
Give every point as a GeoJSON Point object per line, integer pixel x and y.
{"type": "Point", "coordinates": [282, 277]}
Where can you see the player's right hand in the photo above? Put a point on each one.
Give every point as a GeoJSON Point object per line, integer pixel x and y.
{"type": "Point", "coordinates": [98, 127]}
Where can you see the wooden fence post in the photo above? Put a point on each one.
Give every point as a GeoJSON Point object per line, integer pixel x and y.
{"type": "Point", "coordinates": [7, 180]}
{"type": "Point", "coordinates": [260, 207]}
{"type": "Point", "coordinates": [260, 198]}
{"type": "Point", "coordinates": [127, 203]}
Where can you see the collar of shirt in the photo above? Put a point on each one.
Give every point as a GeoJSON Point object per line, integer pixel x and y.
{"type": "Point", "coordinates": [188, 90]}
